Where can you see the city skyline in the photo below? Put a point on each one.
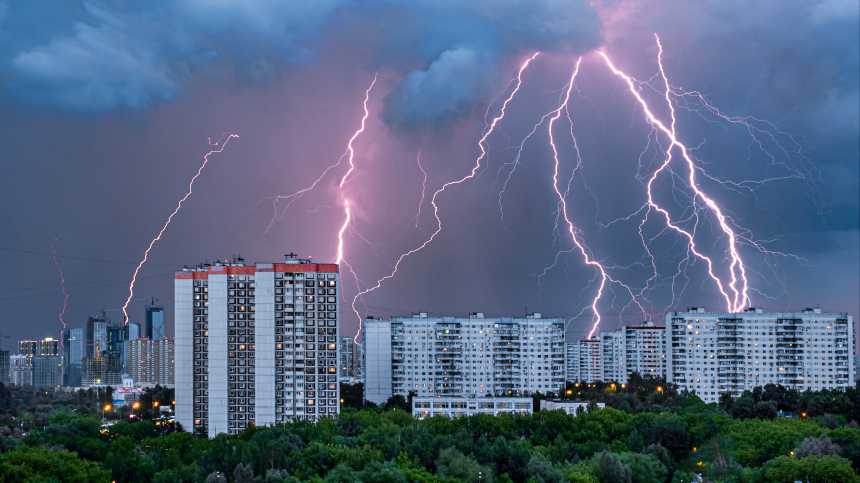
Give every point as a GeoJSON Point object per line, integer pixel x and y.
{"type": "Point", "coordinates": [93, 171]}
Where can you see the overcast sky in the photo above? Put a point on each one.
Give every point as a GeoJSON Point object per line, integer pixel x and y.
{"type": "Point", "coordinates": [106, 110]}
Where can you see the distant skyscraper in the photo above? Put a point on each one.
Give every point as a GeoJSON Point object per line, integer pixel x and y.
{"type": "Point", "coordinates": [74, 345]}
{"type": "Point", "coordinates": [154, 324]}
{"type": "Point", "coordinates": [44, 347]}
{"type": "Point", "coordinates": [130, 333]}
{"type": "Point", "coordinates": [4, 367]}
{"type": "Point", "coordinates": [96, 336]}
{"type": "Point", "coordinates": [152, 361]}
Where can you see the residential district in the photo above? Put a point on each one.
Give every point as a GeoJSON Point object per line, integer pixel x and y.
{"type": "Point", "coordinates": [259, 344]}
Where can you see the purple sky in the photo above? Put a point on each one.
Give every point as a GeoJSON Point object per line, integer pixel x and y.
{"type": "Point", "coordinates": [106, 114]}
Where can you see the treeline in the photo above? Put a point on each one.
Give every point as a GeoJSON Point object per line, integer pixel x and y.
{"type": "Point", "coordinates": [664, 437]}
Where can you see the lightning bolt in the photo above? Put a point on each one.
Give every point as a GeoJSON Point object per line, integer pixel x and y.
{"type": "Point", "coordinates": [735, 291]}
{"type": "Point", "coordinates": [169, 218]}
{"type": "Point", "coordinates": [574, 232]}
{"type": "Point", "coordinates": [481, 146]}
{"type": "Point", "coordinates": [349, 152]}
{"type": "Point", "coordinates": [423, 189]}
{"type": "Point", "coordinates": [63, 286]}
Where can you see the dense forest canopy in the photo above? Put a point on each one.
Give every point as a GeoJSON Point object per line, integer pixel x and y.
{"type": "Point", "coordinates": [648, 433]}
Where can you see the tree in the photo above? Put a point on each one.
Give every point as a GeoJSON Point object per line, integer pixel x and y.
{"type": "Point", "coordinates": [669, 431]}
{"type": "Point", "coordinates": [786, 469]}
{"type": "Point", "coordinates": [542, 471]}
{"type": "Point", "coordinates": [644, 468]}
{"type": "Point", "coordinates": [610, 469]}
{"type": "Point", "coordinates": [811, 446]}
{"type": "Point", "coordinates": [41, 464]}
{"type": "Point", "coordinates": [454, 464]}
{"type": "Point", "coordinates": [829, 422]}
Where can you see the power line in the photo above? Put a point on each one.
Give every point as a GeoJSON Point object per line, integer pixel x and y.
{"type": "Point", "coordinates": [85, 258]}
{"type": "Point", "coordinates": [83, 289]}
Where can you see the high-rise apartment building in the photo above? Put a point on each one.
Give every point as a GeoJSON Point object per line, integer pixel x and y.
{"type": "Point", "coordinates": [645, 349]}
{"type": "Point", "coordinates": [46, 371]}
{"type": "Point", "coordinates": [359, 362]}
{"type": "Point", "coordinates": [20, 370]}
{"type": "Point", "coordinates": [571, 361]}
{"type": "Point", "coordinates": [131, 331]}
{"type": "Point", "coordinates": [718, 352]}
{"type": "Point", "coordinates": [44, 347]}
{"type": "Point", "coordinates": [463, 356]}
{"type": "Point", "coordinates": [590, 362]}
{"type": "Point", "coordinates": [154, 322]}
{"type": "Point", "coordinates": [256, 344]}
{"type": "Point", "coordinates": [152, 361]}
{"type": "Point", "coordinates": [106, 369]}
{"type": "Point", "coordinates": [96, 336]}
{"type": "Point", "coordinates": [347, 357]}
{"type": "Point", "coordinates": [4, 367]}
{"type": "Point", "coordinates": [613, 356]}
{"type": "Point", "coordinates": [74, 345]}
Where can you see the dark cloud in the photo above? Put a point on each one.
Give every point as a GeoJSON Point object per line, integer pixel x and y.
{"type": "Point", "coordinates": [98, 57]}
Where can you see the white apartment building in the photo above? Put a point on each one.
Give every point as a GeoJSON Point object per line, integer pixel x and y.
{"type": "Point", "coordinates": [255, 344]}
{"type": "Point", "coordinates": [613, 356]}
{"type": "Point", "coordinates": [471, 356]}
{"type": "Point", "coordinates": [645, 350]}
{"type": "Point", "coordinates": [457, 407]}
{"type": "Point", "coordinates": [717, 352]}
{"type": "Point", "coordinates": [590, 366]}
{"type": "Point", "coordinates": [152, 361]}
{"type": "Point", "coordinates": [571, 361]}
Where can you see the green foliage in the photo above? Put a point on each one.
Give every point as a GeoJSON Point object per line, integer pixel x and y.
{"type": "Point", "coordinates": [375, 444]}
{"type": "Point", "coordinates": [37, 464]}
{"type": "Point", "coordinates": [644, 468]}
{"type": "Point", "coordinates": [827, 468]}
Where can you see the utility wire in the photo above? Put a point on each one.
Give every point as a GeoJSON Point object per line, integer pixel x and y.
{"type": "Point", "coordinates": [85, 258]}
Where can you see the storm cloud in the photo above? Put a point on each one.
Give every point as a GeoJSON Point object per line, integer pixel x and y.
{"type": "Point", "coordinates": [94, 57]}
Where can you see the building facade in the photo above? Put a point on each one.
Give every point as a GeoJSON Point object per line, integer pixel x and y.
{"type": "Point", "coordinates": [471, 356]}
{"type": "Point", "coordinates": [44, 347]}
{"type": "Point", "coordinates": [645, 349]}
{"type": "Point", "coordinates": [717, 352]}
{"type": "Point", "coordinates": [74, 347]}
{"type": "Point", "coordinates": [571, 361]}
{"type": "Point", "coordinates": [4, 367]}
{"type": "Point", "coordinates": [256, 344]}
{"type": "Point", "coordinates": [96, 336]}
{"type": "Point", "coordinates": [347, 357]}
{"type": "Point", "coordinates": [152, 361]}
{"type": "Point", "coordinates": [47, 371]}
{"type": "Point", "coordinates": [456, 407]}
{"type": "Point", "coordinates": [614, 356]}
{"type": "Point", "coordinates": [154, 322]}
{"type": "Point", "coordinates": [20, 372]}
{"type": "Point", "coordinates": [567, 405]}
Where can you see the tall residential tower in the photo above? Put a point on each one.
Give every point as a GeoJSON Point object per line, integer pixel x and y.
{"type": "Point", "coordinates": [256, 344]}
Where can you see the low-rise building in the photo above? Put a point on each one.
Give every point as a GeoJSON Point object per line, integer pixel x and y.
{"type": "Point", "coordinates": [566, 405]}
{"type": "Point", "coordinates": [455, 407]}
